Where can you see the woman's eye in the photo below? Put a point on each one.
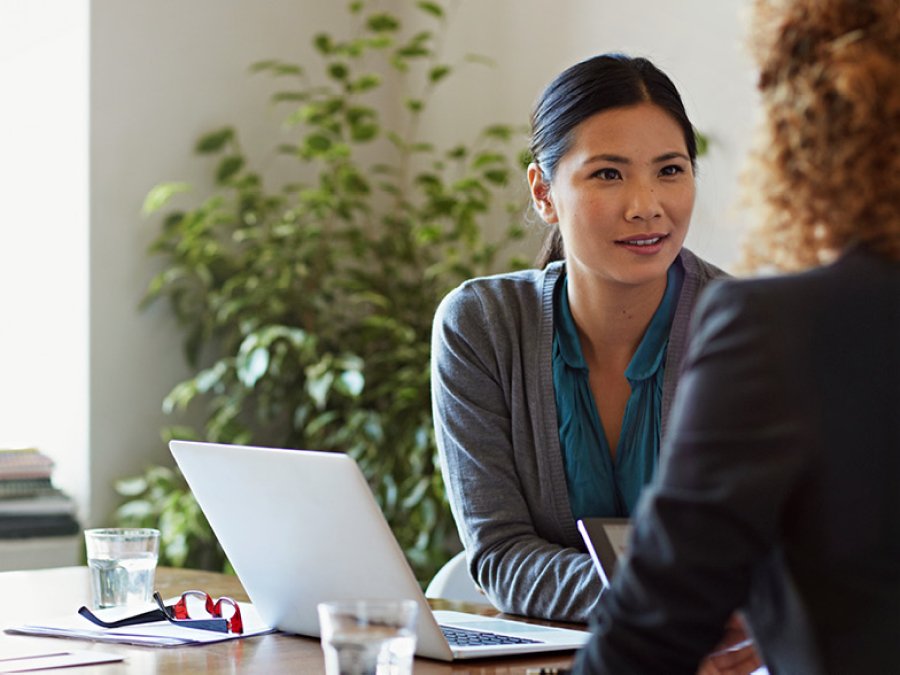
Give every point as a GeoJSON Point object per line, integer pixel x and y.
{"type": "Point", "coordinates": [671, 170]}
{"type": "Point", "coordinates": [608, 174]}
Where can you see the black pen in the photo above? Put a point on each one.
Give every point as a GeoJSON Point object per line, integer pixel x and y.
{"type": "Point", "coordinates": [548, 671]}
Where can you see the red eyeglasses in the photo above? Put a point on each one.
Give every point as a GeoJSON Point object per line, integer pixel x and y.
{"type": "Point", "coordinates": [222, 614]}
{"type": "Point", "coordinates": [188, 607]}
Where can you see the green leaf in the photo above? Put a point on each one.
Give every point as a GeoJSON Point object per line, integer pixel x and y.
{"type": "Point", "coordinates": [497, 176]}
{"type": "Point", "coordinates": [214, 141]}
{"type": "Point", "coordinates": [459, 152]}
{"type": "Point", "coordinates": [352, 49]}
{"type": "Point", "coordinates": [289, 96]}
{"type": "Point", "coordinates": [525, 158]}
{"type": "Point", "coordinates": [438, 73]}
{"type": "Point", "coordinates": [352, 382]}
{"type": "Point", "coordinates": [287, 69]}
{"type": "Point", "coordinates": [159, 196]}
{"type": "Point", "coordinates": [413, 51]}
{"type": "Point", "coordinates": [364, 132]}
{"type": "Point", "coordinates": [316, 144]}
{"type": "Point", "coordinates": [320, 422]}
{"type": "Point", "coordinates": [366, 82]}
{"type": "Point", "coordinates": [383, 23]}
{"type": "Point", "coordinates": [318, 387]}
{"type": "Point", "coordinates": [481, 59]}
{"type": "Point", "coordinates": [278, 68]}
{"type": "Point", "coordinates": [380, 41]}
{"type": "Point", "coordinates": [501, 132]}
{"type": "Point", "coordinates": [323, 43]}
{"type": "Point", "coordinates": [432, 8]}
{"type": "Point", "coordinates": [485, 158]}
{"type": "Point", "coordinates": [179, 432]}
{"type": "Point", "coordinates": [338, 71]}
{"type": "Point", "coordinates": [136, 511]}
{"type": "Point", "coordinates": [228, 168]}
{"type": "Point", "coordinates": [259, 66]}
{"type": "Point", "coordinates": [702, 142]}
{"type": "Point", "coordinates": [181, 394]}
{"type": "Point", "coordinates": [209, 378]}
{"type": "Point", "coordinates": [252, 366]}
{"type": "Point", "coordinates": [131, 487]}
{"type": "Point", "coordinates": [416, 494]}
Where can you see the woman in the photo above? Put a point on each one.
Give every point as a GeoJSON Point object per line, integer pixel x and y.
{"type": "Point", "coordinates": [552, 386]}
{"type": "Point", "coordinates": [778, 491]}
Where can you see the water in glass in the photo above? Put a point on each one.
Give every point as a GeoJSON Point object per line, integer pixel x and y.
{"type": "Point", "coordinates": [123, 580]}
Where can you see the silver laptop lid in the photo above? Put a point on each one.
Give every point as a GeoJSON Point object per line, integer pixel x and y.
{"type": "Point", "coordinates": [301, 527]}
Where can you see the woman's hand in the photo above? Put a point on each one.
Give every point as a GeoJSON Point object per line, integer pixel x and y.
{"type": "Point", "coordinates": [734, 655]}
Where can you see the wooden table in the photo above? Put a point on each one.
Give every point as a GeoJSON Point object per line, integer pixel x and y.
{"type": "Point", "coordinates": [41, 594]}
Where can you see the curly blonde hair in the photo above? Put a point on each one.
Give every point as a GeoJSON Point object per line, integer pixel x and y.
{"type": "Point", "coordinates": [825, 169]}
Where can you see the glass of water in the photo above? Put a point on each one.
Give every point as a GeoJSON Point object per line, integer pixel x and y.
{"type": "Point", "coordinates": [123, 565]}
{"type": "Point", "coordinates": [368, 637]}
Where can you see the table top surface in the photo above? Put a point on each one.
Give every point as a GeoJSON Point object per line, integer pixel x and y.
{"type": "Point", "coordinates": [33, 596]}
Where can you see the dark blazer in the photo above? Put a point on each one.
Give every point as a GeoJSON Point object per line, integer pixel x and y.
{"type": "Point", "coordinates": [779, 490]}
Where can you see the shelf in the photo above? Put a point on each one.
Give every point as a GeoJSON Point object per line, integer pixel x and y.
{"type": "Point", "coordinates": [40, 552]}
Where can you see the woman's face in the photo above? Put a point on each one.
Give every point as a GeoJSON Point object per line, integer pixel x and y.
{"type": "Point", "coordinates": [622, 195]}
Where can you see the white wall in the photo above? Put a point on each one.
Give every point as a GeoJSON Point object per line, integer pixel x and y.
{"type": "Point", "coordinates": [698, 43]}
{"type": "Point", "coordinates": [44, 233]}
{"type": "Point", "coordinates": [164, 71]}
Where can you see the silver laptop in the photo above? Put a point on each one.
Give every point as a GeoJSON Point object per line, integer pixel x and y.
{"type": "Point", "coordinates": [302, 527]}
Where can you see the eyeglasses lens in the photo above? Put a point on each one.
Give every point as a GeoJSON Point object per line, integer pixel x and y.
{"type": "Point", "coordinates": [199, 605]}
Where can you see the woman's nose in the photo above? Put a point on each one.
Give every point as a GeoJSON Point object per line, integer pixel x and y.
{"type": "Point", "coordinates": [642, 203]}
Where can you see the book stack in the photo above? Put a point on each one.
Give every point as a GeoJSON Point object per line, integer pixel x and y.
{"type": "Point", "coordinates": [30, 506]}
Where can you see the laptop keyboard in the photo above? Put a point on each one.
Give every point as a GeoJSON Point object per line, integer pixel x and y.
{"type": "Point", "coordinates": [461, 637]}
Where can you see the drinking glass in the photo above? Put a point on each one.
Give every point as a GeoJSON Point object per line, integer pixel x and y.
{"type": "Point", "coordinates": [368, 637]}
{"type": "Point", "coordinates": [123, 565]}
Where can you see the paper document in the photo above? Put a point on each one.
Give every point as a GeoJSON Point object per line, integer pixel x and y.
{"type": "Point", "coordinates": [31, 661]}
{"type": "Point", "coordinates": [156, 634]}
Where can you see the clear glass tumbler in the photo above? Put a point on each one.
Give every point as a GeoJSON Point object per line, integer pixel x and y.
{"type": "Point", "coordinates": [123, 565]}
{"type": "Point", "coordinates": [368, 637]}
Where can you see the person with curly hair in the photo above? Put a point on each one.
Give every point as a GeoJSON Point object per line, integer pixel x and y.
{"type": "Point", "coordinates": [778, 493]}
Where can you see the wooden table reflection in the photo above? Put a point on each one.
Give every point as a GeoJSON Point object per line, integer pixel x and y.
{"type": "Point", "coordinates": [32, 596]}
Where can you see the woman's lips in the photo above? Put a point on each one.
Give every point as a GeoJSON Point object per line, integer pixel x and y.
{"type": "Point", "coordinates": [643, 244]}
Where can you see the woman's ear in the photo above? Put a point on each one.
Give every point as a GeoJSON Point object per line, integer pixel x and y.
{"type": "Point", "coordinates": [540, 194]}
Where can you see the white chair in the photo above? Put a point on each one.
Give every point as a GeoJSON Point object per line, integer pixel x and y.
{"type": "Point", "coordinates": [452, 582]}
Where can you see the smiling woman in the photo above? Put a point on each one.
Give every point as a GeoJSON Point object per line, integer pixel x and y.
{"type": "Point", "coordinates": [553, 409]}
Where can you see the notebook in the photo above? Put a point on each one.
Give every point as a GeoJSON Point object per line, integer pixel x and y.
{"type": "Point", "coordinates": [605, 539]}
{"type": "Point", "coordinates": [302, 527]}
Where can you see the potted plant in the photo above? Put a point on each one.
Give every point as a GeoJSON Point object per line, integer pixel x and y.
{"type": "Point", "coordinates": [307, 306]}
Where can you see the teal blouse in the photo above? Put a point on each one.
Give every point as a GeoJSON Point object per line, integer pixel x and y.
{"type": "Point", "coordinates": [599, 486]}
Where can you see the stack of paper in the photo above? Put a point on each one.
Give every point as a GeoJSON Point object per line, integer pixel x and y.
{"type": "Point", "coordinates": [156, 634]}
{"type": "Point", "coordinates": [30, 506]}
{"type": "Point", "coordinates": [28, 660]}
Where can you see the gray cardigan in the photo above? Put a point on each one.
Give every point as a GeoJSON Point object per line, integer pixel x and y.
{"type": "Point", "coordinates": [496, 430]}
